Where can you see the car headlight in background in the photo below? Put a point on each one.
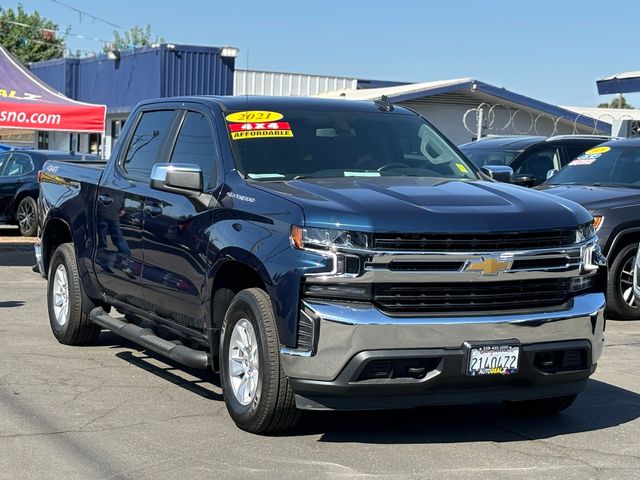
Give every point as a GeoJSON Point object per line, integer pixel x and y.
{"type": "Point", "coordinates": [598, 220]}
{"type": "Point", "coordinates": [585, 232]}
{"type": "Point", "coordinates": [327, 238]}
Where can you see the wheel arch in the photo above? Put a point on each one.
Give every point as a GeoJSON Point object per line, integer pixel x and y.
{"type": "Point", "coordinates": [55, 232]}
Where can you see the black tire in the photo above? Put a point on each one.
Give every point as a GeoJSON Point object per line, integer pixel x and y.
{"type": "Point", "coordinates": [620, 282]}
{"type": "Point", "coordinates": [27, 217]}
{"type": "Point", "coordinates": [77, 329]}
{"type": "Point", "coordinates": [273, 407]}
{"type": "Point", "coordinates": [542, 406]}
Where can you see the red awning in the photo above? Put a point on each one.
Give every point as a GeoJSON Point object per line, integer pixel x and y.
{"type": "Point", "coordinates": [27, 102]}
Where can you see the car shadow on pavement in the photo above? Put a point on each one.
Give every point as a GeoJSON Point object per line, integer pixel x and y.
{"type": "Point", "coordinates": [17, 258]}
{"type": "Point", "coordinates": [11, 303]}
{"type": "Point", "coordinates": [600, 406]}
{"type": "Point", "coordinates": [169, 370]}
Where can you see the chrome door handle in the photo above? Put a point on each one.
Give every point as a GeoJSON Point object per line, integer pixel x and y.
{"type": "Point", "coordinates": [105, 200]}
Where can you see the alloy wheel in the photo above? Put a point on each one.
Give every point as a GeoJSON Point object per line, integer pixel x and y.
{"type": "Point", "coordinates": [61, 295]}
{"type": "Point", "coordinates": [625, 283]}
{"type": "Point", "coordinates": [26, 216]}
{"type": "Point", "coordinates": [244, 363]}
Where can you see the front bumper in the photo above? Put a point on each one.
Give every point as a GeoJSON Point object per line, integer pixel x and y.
{"type": "Point", "coordinates": [347, 337]}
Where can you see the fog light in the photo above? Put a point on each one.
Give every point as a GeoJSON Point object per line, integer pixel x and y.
{"type": "Point", "coordinates": [336, 290]}
{"type": "Point", "coordinates": [582, 283]}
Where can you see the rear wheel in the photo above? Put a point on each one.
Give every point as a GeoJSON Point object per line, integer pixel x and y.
{"type": "Point", "coordinates": [27, 217]}
{"type": "Point", "coordinates": [68, 308]}
{"type": "Point", "coordinates": [620, 299]}
{"type": "Point", "coordinates": [542, 406]}
{"type": "Point", "coordinates": [256, 391]}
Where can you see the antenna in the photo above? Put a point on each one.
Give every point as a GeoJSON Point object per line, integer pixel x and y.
{"type": "Point", "coordinates": [384, 103]}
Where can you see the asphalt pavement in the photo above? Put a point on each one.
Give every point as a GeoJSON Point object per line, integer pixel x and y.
{"type": "Point", "coordinates": [116, 411]}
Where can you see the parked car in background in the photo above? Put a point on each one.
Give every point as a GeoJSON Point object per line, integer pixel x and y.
{"type": "Point", "coordinates": [636, 279]}
{"type": "Point", "coordinates": [530, 157]}
{"type": "Point", "coordinates": [606, 181]}
{"type": "Point", "coordinates": [19, 184]}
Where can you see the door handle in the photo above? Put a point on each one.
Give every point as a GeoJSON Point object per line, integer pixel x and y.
{"type": "Point", "coordinates": [105, 200]}
{"type": "Point", "coordinates": [152, 210]}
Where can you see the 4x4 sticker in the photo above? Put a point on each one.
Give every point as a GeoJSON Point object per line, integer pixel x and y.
{"type": "Point", "coordinates": [254, 116]}
{"type": "Point", "coordinates": [241, 131]}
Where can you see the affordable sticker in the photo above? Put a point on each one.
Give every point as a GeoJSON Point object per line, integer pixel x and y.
{"type": "Point", "coordinates": [241, 131]}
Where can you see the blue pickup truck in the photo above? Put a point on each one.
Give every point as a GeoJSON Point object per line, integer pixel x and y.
{"type": "Point", "coordinates": [322, 254]}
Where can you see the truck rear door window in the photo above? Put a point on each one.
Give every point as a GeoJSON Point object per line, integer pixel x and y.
{"type": "Point", "coordinates": [146, 141]}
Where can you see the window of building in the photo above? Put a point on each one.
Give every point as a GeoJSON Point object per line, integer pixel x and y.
{"type": "Point", "coordinates": [146, 141]}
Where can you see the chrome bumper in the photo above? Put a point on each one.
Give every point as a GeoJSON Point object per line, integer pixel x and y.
{"type": "Point", "coordinates": [37, 250]}
{"type": "Point", "coordinates": [343, 331]}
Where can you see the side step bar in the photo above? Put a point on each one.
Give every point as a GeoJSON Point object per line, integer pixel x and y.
{"type": "Point", "coordinates": [148, 339]}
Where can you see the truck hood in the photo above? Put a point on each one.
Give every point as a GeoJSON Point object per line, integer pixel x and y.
{"type": "Point", "coordinates": [412, 204]}
{"type": "Point", "coordinates": [596, 198]}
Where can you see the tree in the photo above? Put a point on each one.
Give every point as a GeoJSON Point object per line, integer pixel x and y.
{"type": "Point", "coordinates": [618, 102]}
{"type": "Point", "coordinates": [134, 37]}
{"type": "Point", "coordinates": [29, 36]}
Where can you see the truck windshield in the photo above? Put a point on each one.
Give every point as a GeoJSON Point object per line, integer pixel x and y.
{"type": "Point", "coordinates": [342, 144]}
{"type": "Point", "coordinates": [607, 166]}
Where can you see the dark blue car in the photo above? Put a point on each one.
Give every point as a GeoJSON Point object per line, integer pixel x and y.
{"type": "Point", "coordinates": [19, 184]}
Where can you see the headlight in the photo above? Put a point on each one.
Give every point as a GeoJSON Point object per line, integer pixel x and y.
{"type": "Point", "coordinates": [327, 238]}
{"type": "Point", "coordinates": [585, 232]}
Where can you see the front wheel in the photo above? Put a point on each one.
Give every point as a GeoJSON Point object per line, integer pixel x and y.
{"type": "Point", "coordinates": [27, 217]}
{"type": "Point", "coordinates": [620, 299]}
{"type": "Point", "coordinates": [542, 406]}
{"type": "Point", "coordinates": [256, 391]}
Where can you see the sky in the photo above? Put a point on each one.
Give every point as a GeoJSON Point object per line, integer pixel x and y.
{"type": "Point", "coordinates": [553, 51]}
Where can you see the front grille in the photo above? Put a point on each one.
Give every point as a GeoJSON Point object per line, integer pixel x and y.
{"type": "Point", "coordinates": [424, 298]}
{"type": "Point", "coordinates": [474, 242]}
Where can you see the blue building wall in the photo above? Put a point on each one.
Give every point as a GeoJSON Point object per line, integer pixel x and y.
{"type": "Point", "coordinates": [140, 74]}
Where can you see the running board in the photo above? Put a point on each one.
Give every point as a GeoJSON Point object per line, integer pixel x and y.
{"type": "Point", "coordinates": [148, 339]}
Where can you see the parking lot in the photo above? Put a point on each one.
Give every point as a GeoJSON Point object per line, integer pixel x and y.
{"type": "Point", "coordinates": [115, 411]}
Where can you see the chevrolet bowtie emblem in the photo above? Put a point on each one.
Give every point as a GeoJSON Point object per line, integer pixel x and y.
{"type": "Point", "coordinates": [489, 265]}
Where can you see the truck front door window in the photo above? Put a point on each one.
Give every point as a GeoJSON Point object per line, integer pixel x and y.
{"type": "Point", "coordinates": [195, 145]}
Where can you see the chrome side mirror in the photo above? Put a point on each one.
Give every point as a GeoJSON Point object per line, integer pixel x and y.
{"type": "Point", "coordinates": [501, 173]}
{"type": "Point", "coordinates": [182, 178]}
{"type": "Point", "coordinates": [551, 173]}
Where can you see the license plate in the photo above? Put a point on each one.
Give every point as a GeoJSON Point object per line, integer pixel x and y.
{"type": "Point", "coordinates": [493, 360]}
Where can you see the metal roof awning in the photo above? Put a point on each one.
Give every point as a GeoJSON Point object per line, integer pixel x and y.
{"type": "Point", "coordinates": [472, 87]}
{"type": "Point", "coordinates": [621, 83]}
{"type": "Point", "coordinates": [28, 103]}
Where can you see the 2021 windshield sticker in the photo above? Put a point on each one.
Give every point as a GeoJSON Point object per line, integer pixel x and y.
{"type": "Point", "coordinates": [240, 131]}
{"type": "Point", "coordinates": [597, 151]}
{"type": "Point", "coordinates": [254, 116]}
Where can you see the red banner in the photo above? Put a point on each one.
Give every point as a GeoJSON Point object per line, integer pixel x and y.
{"type": "Point", "coordinates": [43, 116]}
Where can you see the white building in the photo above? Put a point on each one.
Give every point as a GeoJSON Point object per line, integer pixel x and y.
{"type": "Point", "coordinates": [466, 108]}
